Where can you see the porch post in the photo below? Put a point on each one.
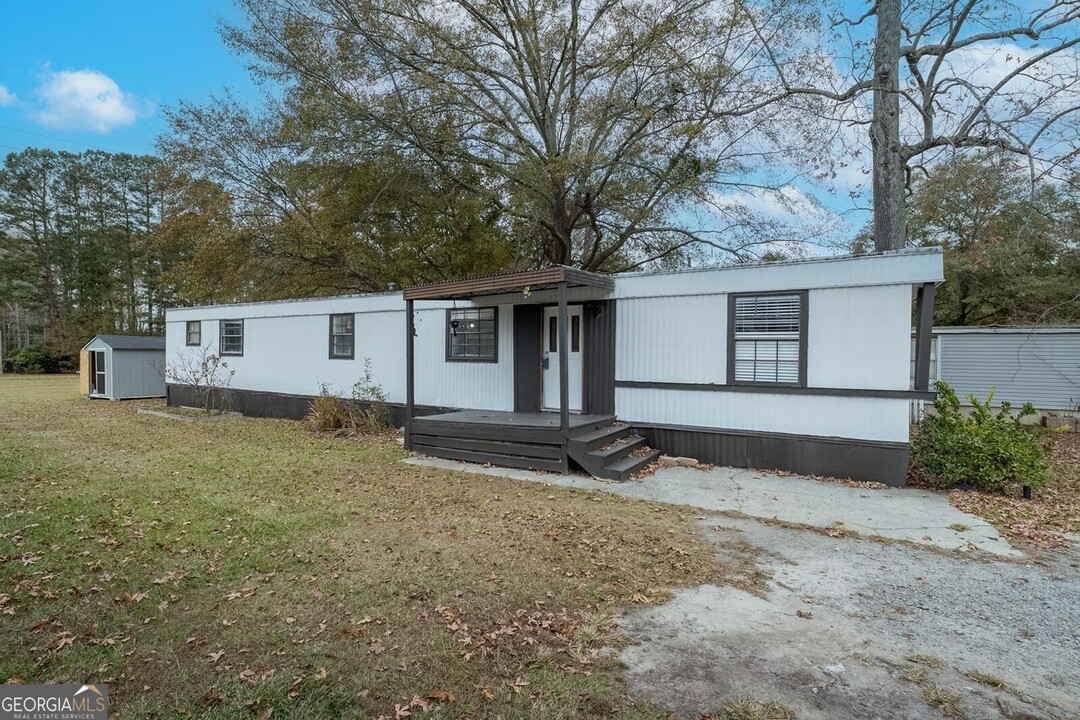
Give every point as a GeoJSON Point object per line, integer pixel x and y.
{"type": "Point", "coordinates": [409, 377]}
{"type": "Point", "coordinates": [924, 328]}
{"type": "Point", "coordinates": [564, 363]}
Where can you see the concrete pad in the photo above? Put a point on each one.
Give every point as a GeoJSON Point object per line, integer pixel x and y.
{"type": "Point", "coordinates": [841, 621]}
{"type": "Point", "coordinates": [917, 516]}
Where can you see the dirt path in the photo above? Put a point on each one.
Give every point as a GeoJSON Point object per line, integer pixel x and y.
{"type": "Point", "coordinates": [842, 619]}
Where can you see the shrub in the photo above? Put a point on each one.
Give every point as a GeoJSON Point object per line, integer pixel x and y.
{"type": "Point", "coordinates": [986, 449]}
{"type": "Point", "coordinates": [365, 411]}
{"type": "Point", "coordinates": [35, 360]}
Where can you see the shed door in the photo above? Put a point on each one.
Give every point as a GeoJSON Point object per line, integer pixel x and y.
{"type": "Point", "coordinates": [99, 372]}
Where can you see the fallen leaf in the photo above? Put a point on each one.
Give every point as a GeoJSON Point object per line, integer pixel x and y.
{"type": "Point", "coordinates": [441, 696]}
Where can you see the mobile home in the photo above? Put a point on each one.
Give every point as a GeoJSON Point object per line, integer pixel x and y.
{"type": "Point", "coordinates": [800, 366]}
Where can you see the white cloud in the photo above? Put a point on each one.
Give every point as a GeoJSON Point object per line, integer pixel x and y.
{"type": "Point", "coordinates": [7, 97]}
{"type": "Point", "coordinates": [85, 100]}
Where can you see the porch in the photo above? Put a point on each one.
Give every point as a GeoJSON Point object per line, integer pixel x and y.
{"type": "Point", "coordinates": [550, 426]}
{"type": "Point", "coordinates": [508, 439]}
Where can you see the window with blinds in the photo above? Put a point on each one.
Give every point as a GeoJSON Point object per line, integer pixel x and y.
{"type": "Point", "coordinates": [767, 338]}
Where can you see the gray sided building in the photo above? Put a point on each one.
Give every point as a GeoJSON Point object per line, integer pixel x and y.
{"type": "Point", "coordinates": [123, 367]}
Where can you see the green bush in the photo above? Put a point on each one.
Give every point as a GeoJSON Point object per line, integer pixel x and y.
{"type": "Point", "coordinates": [986, 449]}
{"type": "Point", "coordinates": [33, 360]}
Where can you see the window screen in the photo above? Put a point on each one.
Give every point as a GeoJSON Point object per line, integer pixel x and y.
{"type": "Point", "coordinates": [472, 334]}
{"type": "Point", "coordinates": [767, 339]}
{"type": "Point", "coordinates": [232, 337]}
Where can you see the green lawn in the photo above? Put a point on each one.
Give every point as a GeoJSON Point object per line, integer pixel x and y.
{"type": "Point", "coordinates": [233, 568]}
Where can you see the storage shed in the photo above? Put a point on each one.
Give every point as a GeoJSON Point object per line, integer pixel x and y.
{"type": "Point", "coordinates": [1040, 365]}
{"type": "Point", "coordinates": [123, 367]}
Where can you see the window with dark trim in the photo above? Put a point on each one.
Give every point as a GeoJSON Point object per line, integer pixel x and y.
{"type": "Point", "coordinates": [193, 331]}
{"type": "Point", "coordinates": [472, 335]}
{"type": "Point", "coordinates": [767, 339]}
{"type": "Point", "coordinates": [342, 336]}
{"type": "Point", "coordinates": [231, 341]}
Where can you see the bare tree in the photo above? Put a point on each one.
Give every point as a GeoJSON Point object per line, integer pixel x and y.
{"type": "Point", "coordinates": [599, 126]}
{"type": "Point", "coordinates": [205, 373]}
{"type": "Point", "coordinates": [951, 75]}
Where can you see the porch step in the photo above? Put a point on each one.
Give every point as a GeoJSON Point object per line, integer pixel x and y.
{"type": "Point", "coordinates": [614, 452]}
{"type": "Point", "coordinates": [629, 465]}
{"type": "Point", "coordinates": [603, 436]}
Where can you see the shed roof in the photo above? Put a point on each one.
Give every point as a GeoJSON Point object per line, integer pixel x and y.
{"type": "Point", "coordinates": [131, 342]}
{"type": "Point", "coordinates": [502, 282]}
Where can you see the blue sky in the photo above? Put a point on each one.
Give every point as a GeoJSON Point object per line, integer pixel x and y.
{"type": "Point", "coordinates": [98, 74]}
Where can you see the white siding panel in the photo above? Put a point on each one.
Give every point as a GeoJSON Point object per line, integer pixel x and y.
{"type": "Point", "coordinates": [288, 353]}
{"type": "Point", "coordinates": [901, 268]}
{"type": "Point", "coordinates": [884, 419]}
{"type": "Point", "coordinates": [672, 339]}
{"type": "Point", "coordinates": [860, 337]}
{"type": "Point", "coordinates": [479, 385]}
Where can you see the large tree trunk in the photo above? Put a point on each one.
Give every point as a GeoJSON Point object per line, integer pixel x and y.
{"type": "Point", "coordinates": [890, 224]}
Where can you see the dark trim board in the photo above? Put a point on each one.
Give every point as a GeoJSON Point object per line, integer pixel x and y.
{"type": "Point", "coordinates": [281, 406]}
{"type": "Point", "coordinates": [884, 462]}
{"type": "Point", "coordinates": [781, 390]}
{"type": "Point", "coordinates": [598, 376]}
{"type": "Point", "coordinates": [528, 357]}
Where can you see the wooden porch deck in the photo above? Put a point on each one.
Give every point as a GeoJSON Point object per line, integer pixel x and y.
{"type": "Point", "coordinates": [510, 439]}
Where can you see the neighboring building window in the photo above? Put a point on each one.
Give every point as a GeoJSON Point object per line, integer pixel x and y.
{"type": "Point", "coordinates": [194, 332]}
{"type": "Point", "coordinates": [342, 337]}
{"type": "Point", "coordinates": [472, 334]}
{"type": "Point", "coordinates": [232, 337]}
{"type": "Point", "coordinates": [767, 339]}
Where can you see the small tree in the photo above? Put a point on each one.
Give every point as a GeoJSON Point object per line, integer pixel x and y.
{"type": "Point", "coordinates": [205, 373]}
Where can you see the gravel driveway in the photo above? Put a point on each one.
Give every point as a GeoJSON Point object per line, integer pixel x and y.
{"type": "Point", "coordinates": [843, 616]}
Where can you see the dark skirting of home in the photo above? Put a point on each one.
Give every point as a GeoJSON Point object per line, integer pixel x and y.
{"type": "Point", "coordinates": [884, 462]}
{"type": "Point", "coordinates": [255, 403]}
{"type": "Point", "coordinates": [805, 454]}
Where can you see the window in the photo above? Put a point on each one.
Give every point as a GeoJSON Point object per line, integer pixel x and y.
{"type": "Point", "coordinates": [194, 332]}
{"type": "Point", "coordinates": [342, 337]}
{"type": "Point", "coordinates": [471, 335]}
{"type": "Point", "coordinates": [767, 339]}
{"type": "Point", "coordinates": [232, 337]}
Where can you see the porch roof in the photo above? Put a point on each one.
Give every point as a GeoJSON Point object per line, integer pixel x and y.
{"type": "Point", "coordinates": [504, 282]}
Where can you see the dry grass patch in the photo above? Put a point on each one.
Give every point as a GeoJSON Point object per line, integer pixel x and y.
{"type": "Point", "coordinates": [984, 678]}
{"type": "Point", "coordinates": [944, 701]}
{"type": "Point", "coordinates": [750, 709]}
{"type": "Point", "coordinates": [230, 570]}
{"type": "Point", "coordinates": [1052, 513]}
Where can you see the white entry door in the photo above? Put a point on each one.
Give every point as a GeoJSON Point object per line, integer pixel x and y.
{"type": "Point", "coordinates": [575, 353]}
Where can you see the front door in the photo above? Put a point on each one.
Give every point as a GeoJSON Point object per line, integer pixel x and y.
{"type": "Point", "coordinates": [551, 357]}
{"type": "Point", "coordinates": [99, 372]}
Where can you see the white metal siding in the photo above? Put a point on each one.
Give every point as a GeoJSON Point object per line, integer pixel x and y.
{"type": "Point", "coordinates": [860, 337]}
{"type": "Point", "coordinates": [672, 339]}
{"type": "Point", "coordinates": [1040, 368]}
{"type": "Point", "coordinates": [286, 350]}
{"type": "Point", "coordinates": [884, 419]}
